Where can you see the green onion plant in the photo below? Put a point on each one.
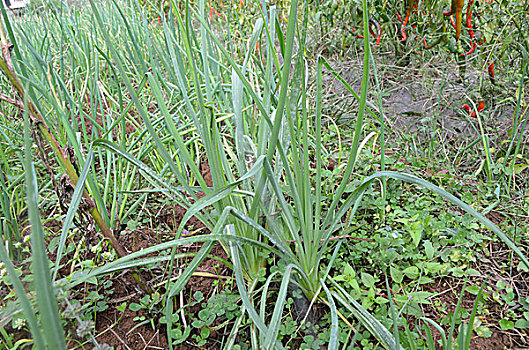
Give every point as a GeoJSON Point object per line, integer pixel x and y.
{"type": "Point", "coordinates": [142, 110]}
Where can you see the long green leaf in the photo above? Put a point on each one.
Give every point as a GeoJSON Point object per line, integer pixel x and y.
{"type": "Point", "coordinates": [20, 292]}
{"type": "Point", "coordinates": [46, 301]}
{"type": "Point", "coordinates": [333, 338]}
{"type": "Point", "coordinates": [455, 317]}
{"type": "Point", "coordinates": [368, 321]}
{"type": "Point", "coordinates": [359, 120]}
{"type": "Point", "coordinates": [72, 209]}
{"type": "Point", "coordinates": [242, 289]}
{"type": "Point", "coordinates": [470, 327]}
{"type": "Point", "coordinates": [273, 329]}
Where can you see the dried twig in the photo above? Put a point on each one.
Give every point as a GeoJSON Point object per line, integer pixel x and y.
{"type": "Point", "coordinates": [12, 101]}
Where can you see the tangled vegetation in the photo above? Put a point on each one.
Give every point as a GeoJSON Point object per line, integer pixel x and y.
{"type": "Point", "coordinates": [340, 174]}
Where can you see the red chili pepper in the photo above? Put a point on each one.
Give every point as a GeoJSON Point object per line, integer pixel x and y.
{"type": "Point", "coordinates": [469, 28]}
{"type": "Point", "coordinates": [399, 16]}
{"type": "Point", "coordinates": [491, 73]}
{"type": "Point", "coordinates": [358, 35]}
{"type": "Point", "coordinates": [217, 13]}
{"type": "Point", "coordinates": [378, 35]}
{"type": "Point", "coordinates": [481, 106]}
{"type": "Point", "coordinates": [411, 4]}
{"type": "Point", "coordinates": [372, 32]}
{"type": "Point", "coordinates": [468, 109]}
{"type": "Point", "coordinates": [472, 49]}
{"type": "Point", "coordinates": [469, 20]}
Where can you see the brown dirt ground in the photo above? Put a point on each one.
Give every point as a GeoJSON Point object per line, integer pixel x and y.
{"type": "Point", "coordinates": [419, 95]}
{"type": "Point", "coordinates": [448, 291]}
{"type": "Point", "coordinates": [122, 331]}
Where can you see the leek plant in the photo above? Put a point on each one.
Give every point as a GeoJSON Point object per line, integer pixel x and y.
{"type": "Point", "coordinates": [262, 189]}
{"type": "Point", "coordinates": [253, 120]}
{"type": "Point", "coordinates": [47, 330]}
{"type": "Point", "coordinates": [12, 203]}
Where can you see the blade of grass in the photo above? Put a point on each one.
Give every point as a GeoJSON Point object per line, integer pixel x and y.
{"type": "Point", "coordinates": [440, 329]}
{"type": "Point", "coordinates": [181, 283]}
{"type": "Point", "coordinates": [254, 316]}
{"type": "Point", "coordinates": [392, 310]}
{"type": "Point", "coordinates": [333, 337]}
{"type": "Point", "coordinates": [470, 327]}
